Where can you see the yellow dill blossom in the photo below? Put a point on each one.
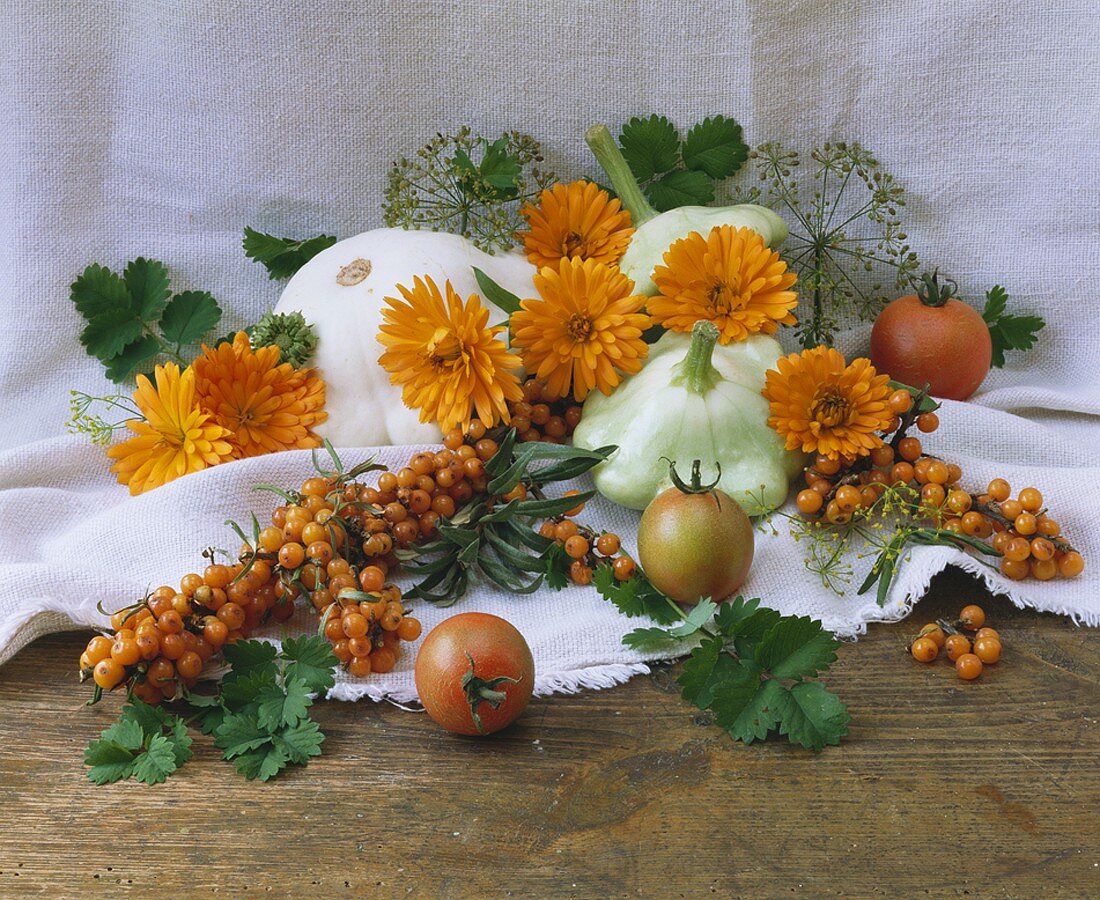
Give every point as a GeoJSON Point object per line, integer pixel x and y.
{"type": "Point", "coordinates": [729, 277]}
{"type": "Point", "coordinates": [585, 331]}
{"type": "Point", "coordinates": [266, 405]}
{"type": "Point", "coordinates": [174, 436]}
{"type": "Point", "coordinates": [575, 221]}
{"type": "Point", "coordinates": [447, 359]}
{"type": "Point", "coordinates": [820, 405]}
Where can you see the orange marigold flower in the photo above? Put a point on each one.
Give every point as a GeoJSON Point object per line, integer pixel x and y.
{"type": "Point", "coordinates": [584, 332]}
{"type": "Point", "coordinates": [729, 277]}
{"type": "Point", "coordinates": [575, 221]}
{"type": "Point", "coordinates": [173, 438]}
{"type": "Point", "coordinates": [820, 405]}
{"type": "Point", "coordinates": [446, 358]}
{"type": "Point", "coordinates": [266, 405]}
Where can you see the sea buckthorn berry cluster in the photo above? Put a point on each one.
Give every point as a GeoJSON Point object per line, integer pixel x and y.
{"type": "Point", "coordinates": [927, 488]}
{"type": "Point", "coordinates": [587, 548]}
{"type": "Point", "coordinates": [969, 653]}
{"type": "Point", "coordinates": [366, 627]}
{"type": "Point", "coordinates": [537, 418]}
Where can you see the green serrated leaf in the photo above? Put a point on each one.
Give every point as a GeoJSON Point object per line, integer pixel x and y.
{"type": "Point", "coordinates": [157, 762]}
{"type": "Point", "coordinates": [500, 169]}
{"type": "Point", "coordinates": [189, 316]}
{"type": "Point", "coordinates": [98, 292]}
{"type": "Point", "coordinates": [150, 719]}
{"type": "Point", "coordinates": [108, 762]}
{"type": "Point", "coordinates": [651, 146]}
{"type": "Point", "coordinates": [996, 301]}
{"type": "Point", "coordinates": [181, 740]}
{"type": "Point", "coordinates": [650, 639]}
{"type": "Point", "coordinates": [243, 656]}
{"type": "Point", "coordinates": [731, 614]}
{"type": "Point", "coordinates": [813, 717]}
{"type": "Point", "coordinates": [311, 660]}
{"type": "Point", "coordinates": [748, 631]}
{"type": "Point", "coordinates": [556, 562]}
{"type": "Point", "coordinates": [240, 733]}
{"type": "Point", "coordinates": [282, 257]}
{"type": "Point", "coordinates": [715, 146]}
{"type": "Point", "coordinates": [698, 617]}
{"type": "Point", "coordinates": [1007, 331]}
{"type": "Point", "coordinates": [133, 359]}
{"type": "Point", "coordinates": [264, 764]}
{"type": "Point", "coordinates": [703, 669]}
{"type": "Point", "coordinates": [301, 741]}
{"type": "Point", "coordinates": [746, 707]}
{"type": "Point", "coordinates": [107, 335]}
{"type": "Point", "coordinates": [241, 691]}
{"type": "Point", "coordinates": [635, 597]}
{"type": "Point", "coordinates": [147, 282]}
{"type": "Point", "coordinates": [128, 733]}
{"type": "Point", "coordinates": [284, 706]}
{"type": "Point", "coordinates": [796, 647]}
{"type": "Point", "coordinates": [682, 187]}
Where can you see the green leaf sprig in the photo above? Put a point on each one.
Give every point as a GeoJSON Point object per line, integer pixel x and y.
{"type": "Point", "coordinates": [1008, 331]}
{"type": "Point", "coordinates": [674, 172]}
{"type": "Point", "coordinates": [752, 667]}
{"type": "Point", "coordinates": [282, 257]}
{"type": "Point", "coordinates": [495, 538]}
{"type": "Point", "coordinates": [467, 185]}
{"type": "Point", "coordinates": [147, 743]}
{"type": "Point", "coordinates": [133, 319]}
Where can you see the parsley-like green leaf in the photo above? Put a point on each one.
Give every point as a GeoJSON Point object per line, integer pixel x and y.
{"type": "Point", "coordinates": [244, 656]}
{"type": "Point", "coordinates": [698, 617]}
{"type": "Point", "coordinates": [150, 719]}
{"type": "Point", "coordinates": [279, 706]}
{"type": "Point", "coordinates": [703, 669]}
{"type": "Point", "coordinates": [107, 335]}
{"type": "Point", "coordinates": [311, 660]}
{"type": "Point", "coordinates": [282, 257]}
{"type": "Point", "coordinates": [649, 638]}
{"type": "Point", "coordinates": [133, 359]}
{"type": "Point", "coordinates": [682, 187]}
{"type": "Point", "coordinates": [263, 763]}
{"type": "Point", "coordinates": [108, 761]}
{"type": "Point", "coordinates": [98, 291]}
{"type": "Point", "coordinates": [813, 717]}
{"type": "Point", "coordinates": [651, 146]}
{"type": "Point", "coordinates": [242, 691]}
{"type": "Point", "coordinates": [748, 631]}
{"type": "Point", "coordinates": [301, 741]}
{"type": "Point", "coordinates": [796, 647]}
{"type": "Point", "coordinates": [239, 733]}
{"type": "Point", "coordinates": [635, 597]}
{"type": "Point", "coordinates": [181, 740]}
{"type": "Point", "coordinates": [731, 614]}
{"type": "Point", "coordinates": [147, 282]}
{"type": "Point", "coordinates": [190, 316]}
{"type": "Point", "coordinates": [157, 762]}
{"type": "Point", "coordinates": [557, 566]}
{"type": "Point", "coordinates": [745, 706]}
{"type": "Point", "coordinates": [715, 146]}
{"type": "Point", "coordinates": [1007, 331]}
{"type": "Point", "coordinates": [127, 733]}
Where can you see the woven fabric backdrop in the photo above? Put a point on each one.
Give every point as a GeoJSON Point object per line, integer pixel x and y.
{"type": "Point", "coordinates": [162, 129]}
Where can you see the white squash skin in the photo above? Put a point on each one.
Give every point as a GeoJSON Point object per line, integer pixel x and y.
{"type": "Point", "coordinates": [364, 408]}
{"type": "Point", "coordinates": [653, 238]}
{"type": "Point", "coordinates": [649, 417]}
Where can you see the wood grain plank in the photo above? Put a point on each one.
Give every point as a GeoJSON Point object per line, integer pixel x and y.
{"type": "Point", "coordinates": [942, 788]}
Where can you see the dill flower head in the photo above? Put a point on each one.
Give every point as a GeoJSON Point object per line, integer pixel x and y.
{"type": "Point", "coordinates": [820, 405]}
{"type": "Point", "coordinates": [290, 332]}
{"type": "Point", "coordinates": [584, 332]}
{"type": "Point", "coordinates": [447, 359]}
{"type": "Point", "coordinates": [174, 436]}
{"type": "Point", "coordinates": [266, 405]}
{"type": "Point", "coordinates": [729, 277]}
{"type": "Point", "coordinates": [575, 221]}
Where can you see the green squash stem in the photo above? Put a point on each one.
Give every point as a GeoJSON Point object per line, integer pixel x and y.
{"type": "Point", "coordinates": [696, 372]}
{"type": "Point", "coordinates": [612, 161]}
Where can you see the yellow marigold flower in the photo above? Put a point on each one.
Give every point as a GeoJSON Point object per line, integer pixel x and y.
{"type": "Point", "coordinates": [173, 438]}
{"type": "Point", "coordinates": [820, 405]}
{"type": "Point", "coordinates": [446, 358]}
{"type": "Point", "coordinates": [584, 332]}
{"type": "Point", "coordinates": [575, 221]}
{"type": "Point", "coordinates": [266, 405]}
{"type": "Point", "coordinates": [729, 277]}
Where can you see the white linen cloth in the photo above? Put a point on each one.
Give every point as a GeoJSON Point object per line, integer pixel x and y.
{"type": "Point", "coordinates": [162, 129]}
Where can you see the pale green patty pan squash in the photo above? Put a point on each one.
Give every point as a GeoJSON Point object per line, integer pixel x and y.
{"type": "Point", "coordinates": [693, 399]}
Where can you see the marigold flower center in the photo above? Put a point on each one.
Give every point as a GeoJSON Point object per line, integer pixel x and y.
{"type": "Point", "coordinates": [830, 407]}
{"type": "Point", "coordinates": [579, 327]}
{"type": "Point", "coordinates": [574, 244]}
{"type": "Point", "coordinates": [724, 298]}
{"type": "Point", "coordinates": [443, 349]}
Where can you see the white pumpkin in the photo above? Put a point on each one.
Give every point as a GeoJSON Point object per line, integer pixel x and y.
{"type": "Point", "coordinates": [340, 292]}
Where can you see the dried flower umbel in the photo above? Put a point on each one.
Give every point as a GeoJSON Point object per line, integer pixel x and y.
{"type": "Point", "coordinates": [846, 241]}
{"type": "Point", "coordinates": [467, 185]}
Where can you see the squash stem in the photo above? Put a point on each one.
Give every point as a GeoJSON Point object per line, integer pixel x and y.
{"type": "Point", "coordinates": [697, 372]}
{"type": "Point", "coordinates": [612, 161]}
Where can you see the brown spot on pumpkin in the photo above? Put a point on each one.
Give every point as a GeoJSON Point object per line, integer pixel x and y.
{"type": "Point", "coordinates": [354, 272]}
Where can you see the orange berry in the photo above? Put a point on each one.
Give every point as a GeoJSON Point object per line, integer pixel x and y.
{"type": "Point", "coordinates": [968, 667]}
{"type": "Point", "coordinates": [924, 650]}
{"type": "Point", "coordinates": [972, 617]}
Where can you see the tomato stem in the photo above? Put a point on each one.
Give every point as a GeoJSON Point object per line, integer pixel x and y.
{"type": "Point", "coordinates": [932, 293]}
{"type": "Point", "coordinates": [479, 690]}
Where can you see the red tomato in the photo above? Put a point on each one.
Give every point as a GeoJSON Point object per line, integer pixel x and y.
{"type": "Point", "coordinates": [931, 338]}
{"type": "Point", "coordinates": [474, 673]}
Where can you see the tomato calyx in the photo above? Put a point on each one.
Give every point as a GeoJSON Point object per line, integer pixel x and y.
{"type": "Point", "coordinates": [479, 690]}
{"type": "Point", "coordinates": [695, 486]}
{"type": "Point", "coordinates": [931, 292]}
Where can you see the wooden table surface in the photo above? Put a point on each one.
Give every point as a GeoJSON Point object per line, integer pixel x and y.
{"type": "Point", "coordinates": [942, 787]}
